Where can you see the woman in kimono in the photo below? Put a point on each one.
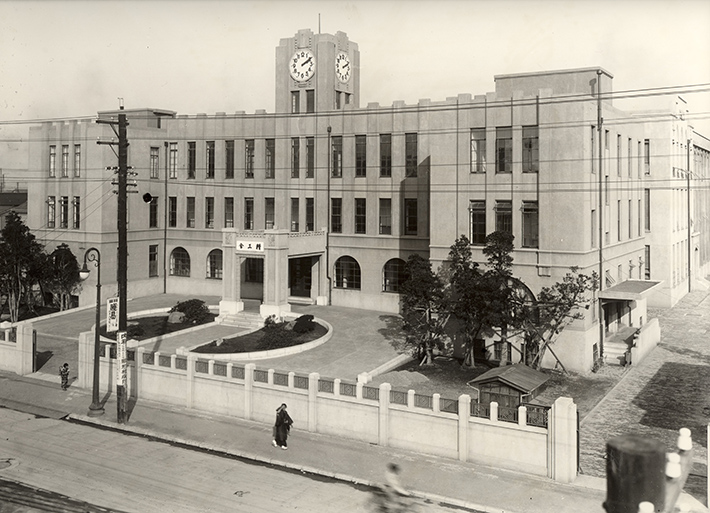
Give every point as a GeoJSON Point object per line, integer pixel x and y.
{"type": "Point", "coordinates": [281, 427]}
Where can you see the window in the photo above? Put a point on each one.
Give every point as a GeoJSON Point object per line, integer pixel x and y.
{"type": "Point", "coordinates": [647, 262]}
{"type": "Point", "coordinates": [310, 100]}
{"type": "Point", "coordinates": [229, 212]}
{"type": "Point", "coordinates": [229, 159]}
{"type": "Point", "coordinates": [504, 150]}
{"type": "Point", "coordinates": [385, 155]}
{"type": "Point", "coordinates": [593, 144]}
{"type": "Point", "coordinates": [152, 260]}
{"type": "Point", "coordinates": [310, 215]}
{"type": "Point", "coordinates": [172, 211]}
{"type": "Point", "coordinates": [618, 220]}
{"type": "Point", "coordinates": [190, 217]}
{"type": "Point", "coordinates": [530, 224]}
{"type": "Point", "coordinates": [411, 220]}
{"type": "Point", "coordinates": [77, 213]}
{"type": "Point", "coordinates": [336, 215]}
{"type": "Point", "coordinates": [337, 156]}
{"type": "Point", "coordinates": [531, 149]}
{"type": "Point", "coordinates": [638, 215]}
{"type": "Point", "coordinates": [214, 265]}
{"type": "Point", "coordinates": [270, 157]}
{"type": "Point", "coordinates": [173, 159]}
{"type": "Point", "coordinates": [411, 154]}
{"type": "Point", "coordinates": [385, 216]}
{"type": "Point", "coordinates": [64, 212]}
{"type": "Point", "coordinates": [154, 162]}
{"type": "Point", "coordinates": [191, 159]}
{"type": "Point", "coordinates": [52, 161]}
{"type": "Point", "coordinates": [249, 158]}
{"type": "Point", "coordinates": [360, 215]}
{"type": "Point", "coordinates": [294, 214]}
{"type": "Point", "coordinates": [393, 275]}
{"type": "Point", "coordinates": [209, 212]}
{"type": "Point", "coordinates": [209, 146]}
{"type": "Point", "coordinates": [65, 160]}
{"type": "Point", "coordinates": [310, 157]}
{"type": "Point", "coordinates": [77, 160]}
{"type": "Point", "coordinates": [630, 223]}
{"type": "Point", "coordinates": [347, 273]}
{"type": "Point", "coordinates": [269, 213]}
{"type": "Point", "coordinates": [647, 156]}
{"type": "Point", "coordinates": [360, 155]}
{"type": "Point", "coordinates": [254, 270]}
{"type": "Point", "coordinates": [153, 212]}
{"type": "Point", "coordinates": [337, 100]}
{"type": "Point", "coordinates": [51, 211]}
{"type": "Point", "coordinates": [295, 102]}
{"type": "Point", "coordinates": [295, 156]}
{"type": "Point", "coordinates": [618, 155]}
{"type": "Point", "coordinates": [248, 213]}
{"type": "Point", "coordinates": [594, 228]}
{"type": "Point", "coordinates": [606, 190]}
{"type": "Point", "coordinates": [647, 211]}
{"type": "Point", "coordinates": [629, 159]}
{"type": "Point", "coordinates": [179, 262]}
{"type": "Point", "coordinates": [477, 222]}
{"type": "Point", "coordinates": [504, 216]}
{"type": "Point", "coordinates": [478, 150]}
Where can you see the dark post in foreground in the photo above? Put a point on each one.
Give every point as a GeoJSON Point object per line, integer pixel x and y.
{"type": "Point", "coordinates": [93, 255]}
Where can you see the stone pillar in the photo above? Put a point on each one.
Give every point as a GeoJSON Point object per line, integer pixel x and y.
{"type": "Point", "coordinates": [313, 379]}
{"type": "Point", "coordinates": [319, 280]}
{"type": "Point", "coordinates": [275, 274]}
{"type": "Point", "coordinates": [384, 415]}
{"type": "Point", "coordinates": [562, 440]}
{"type": "Point", "coordinates": [248, 389]}
{"type": "Point", "coordinates": [464, 415]}
{"type": "Point", "coordinates": [231, 302]}
{"type": "Point", "coordinates": [85, 372]}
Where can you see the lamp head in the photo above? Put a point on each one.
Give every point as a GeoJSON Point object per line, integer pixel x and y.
{"type": "Point", "coordinates": [84, 272]}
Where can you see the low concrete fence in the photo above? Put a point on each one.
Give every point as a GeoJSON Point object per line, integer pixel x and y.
{"type": "Point", "coordinates": [649, 335]}
{"type": "Point", "coordinates": [17, 348]}
{"type": "Point", "coordinates": [451, 428]}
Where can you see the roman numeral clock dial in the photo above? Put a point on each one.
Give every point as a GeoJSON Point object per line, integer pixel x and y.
{"type": "Point", "coordinates": [302, 65]}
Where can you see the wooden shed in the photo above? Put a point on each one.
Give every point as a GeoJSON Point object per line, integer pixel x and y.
{"type": "Point", "coordinates": [509, 386]}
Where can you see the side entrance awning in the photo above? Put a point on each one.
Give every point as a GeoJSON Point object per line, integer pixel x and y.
{"type": "Point", "coordinates": [629, 290]}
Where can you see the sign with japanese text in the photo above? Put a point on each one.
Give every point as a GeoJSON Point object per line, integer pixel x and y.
{"type": "Point", "coordinates": [121, 367]}
{"type": "Point", "coordinates": [250, 245]}
{"type": "Point", "coordinates": [112, 314]}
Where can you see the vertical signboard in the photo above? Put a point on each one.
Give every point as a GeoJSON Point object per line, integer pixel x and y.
{"type": "Point", "coordinates": [121, 371]}
{"type": "Point", "coordinates": [112, 314]}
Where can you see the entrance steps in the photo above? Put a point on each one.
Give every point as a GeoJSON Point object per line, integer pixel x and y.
{"type": "Point", "coordinates": [616, 345]}
{"type": "Point", "coordinates": [243, 319]}
{"type": "Point", "coordinates": [298, 300]}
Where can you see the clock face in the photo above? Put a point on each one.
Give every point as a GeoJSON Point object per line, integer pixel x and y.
{"type": "Point", "coordinates": [342, 67]}
{"type": "Point", "coordinates": [302, 65]}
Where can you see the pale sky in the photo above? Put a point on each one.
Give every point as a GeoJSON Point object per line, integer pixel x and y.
{"type": "Point", "coordinates": [74, 58]}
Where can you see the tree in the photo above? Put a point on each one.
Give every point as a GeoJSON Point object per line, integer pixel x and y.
{"type": "Point", "coordinates": [425, 309]}
{"type": "Point", "coordinates": [62, 275]}
{"type": "Point", "coordinates": [18, 252]}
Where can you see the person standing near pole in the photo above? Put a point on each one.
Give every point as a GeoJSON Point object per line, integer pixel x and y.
{"type": "Point", "coordinates": [282, 427]}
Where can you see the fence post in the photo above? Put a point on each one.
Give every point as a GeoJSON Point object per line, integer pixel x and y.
{"type": "Point", "coordinates": [138, 364]}
{"type": "Point", "coordinates": [410, 398]}
{"type": "Point", "coordinates": [336, 387]}
{"type": "Point", "coordinates": [493, 414]}
{"type": "Point", "coordinates": [464, 415]}
{"type": "Point", "coordinates": [191, 362]}
{"type": "Point", "coordinates": [522, 416]}
{"type": "Point", "coordinates": [383, 417]}
{"type": "Point", "coordinates": [24, 341]}
{"type": "Point", "coordinates": [248, 389]}
{"type": "Point", "coordinates": [435, 403]}
{"type": "Point", "coordinates": [313, 379]}
{"type": "Point", "coordinates": [562, 440]}
{"type": "Point", "coordinates": [86, 359]}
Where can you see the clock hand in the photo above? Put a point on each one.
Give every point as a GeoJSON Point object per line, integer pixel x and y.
{"type": "Point", "coordinates": [306, 62]}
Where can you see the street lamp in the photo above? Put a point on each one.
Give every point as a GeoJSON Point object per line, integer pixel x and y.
{"type": "Point", "coordinates": [93, 255]}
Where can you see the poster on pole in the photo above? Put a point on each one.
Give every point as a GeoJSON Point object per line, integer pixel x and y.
{"type": "Point", "coordinates": [121, 338]}
{"type": "Point", "coordinates": [112, 314]}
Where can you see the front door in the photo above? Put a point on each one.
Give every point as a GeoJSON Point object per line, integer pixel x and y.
{"type": "Point", "coordinates": [299, 276]}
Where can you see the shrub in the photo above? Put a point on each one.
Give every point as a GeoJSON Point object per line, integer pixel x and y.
{"type": "Point", "coordinates": [304, 324]}
{"type": "Point", "coordinates": [195, 310]}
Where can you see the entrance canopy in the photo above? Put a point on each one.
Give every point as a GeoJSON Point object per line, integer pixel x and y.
{"type": "Point", "coordinates": [629, 290]}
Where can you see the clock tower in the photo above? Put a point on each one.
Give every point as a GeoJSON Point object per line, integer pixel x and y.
{"type": "Point", "coordinates": [317, 73]}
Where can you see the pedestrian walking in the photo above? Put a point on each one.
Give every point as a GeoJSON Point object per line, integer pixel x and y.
{"type": "Point", "coordinates": [64, 374]}
{"type": "Point", "coordinates": [282, 426]}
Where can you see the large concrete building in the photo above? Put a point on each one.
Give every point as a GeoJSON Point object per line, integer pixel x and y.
{"type": "Point", "coordinates": [324, 200]}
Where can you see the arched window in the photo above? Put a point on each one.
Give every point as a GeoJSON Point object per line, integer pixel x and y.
{"type": "Point", "coordinates": [214, 264]}
{"type": "Point", "coordinates": [347, 273]}
{"type": "Point", "coordinates": [393, 275]}
{"type": "Point", "coordinates": [179, 262]}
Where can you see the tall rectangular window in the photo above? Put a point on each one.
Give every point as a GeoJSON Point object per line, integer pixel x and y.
{"type": "Point", "coordinates": [154, 162]}
{"type": "Point", "coordinates": [173, 159]}
{"type": "Point", "coordinates": [337, 156]}
{"type": "Point", "coordinates": [229, 159]}
{"type": "Point", "coordinates": [51, 211]}
{"type": "Point", "coordinates": [478, 150]}
{"type": "Point", "coordinates": [360, 215]}
{"type": "Point", "coordinates": [310, 157]}
{"type": "Point", "coordinates": [209, 212]}
{"type": "Point", "coordinates": [295, 102]}
{"type": "Point", "coordinates": [249, 158]}
{"type": "Point", "coordinates": [269, 209]}
{"type": "Point", "coordinates": [191, 159]}
{"type": "Point", "coordinates": [647, 209]}
{"type": "Point", "coordinates": [411, 217]}
{"type": "Point", "coordinates": [530, 224]}
{"type": "Point", "coordinates": [531, 149]}
{"type": "Point", "coordinates": [630, 222]}
{"type": "Point", "coordinates": [172, 211]}
{"type": "Point", "coordinates": [270, 158]}
{"type": "Point", "coordinates": [594, 228]}
{"type": "Point", "coordinates": [336, 215]}
{"type": "Point", "coordinates": [209, 146]}
{"type": "Point", "coordinates": [411, 154]}
{"type": "Point", "coordinates": [248, 213]}
{"type": "Point", "coordinates": [310, 100]}
{"type": "Point", "coordinates": [629, 159]}
{"type": "Point", "coordinates": [385, 216]}
{"type": "Point", "coordinates": [639, 159]}
{"type": "Point", "coordinates": [638, 215]}
{"type": "Point", "coordinates": [152, 260]}
{"type": "Point", "coordinates": [77, 160]}
{"type": "Point", "coordinates": [153, 212]}
{"type": "Point", "coordinates": [295, 157]}
{"type": "Point", "coordinates": [190, 212]}
{"type": "Point", "coordinates": [65, 160]}
{"type": "Point", "coordinates": [504, 150]}
{"type": "Point", "coordinates": [52, 161]}
{"type": "Point", "coordinates": [647, 262]}
{"type": "Point", "coordinates": [618, 220]}
{"type": "Point", "coordinates": [647, 156]}
{"type": "Point", "coordinates": [229, 212]}
{"type": "Point", "coordinates": [64, 212]}
{"type": "Point", "coordinates": [477, 222]}
{"type": "Point", "coordinates": [294, 214]}
{"type": "Point", "coordinates": [618, 154]}
{"type": "Point", "coordinates": [360, 155]}
{"type": "Point", "coordinates": [593, 145]}
{"type": "Point", "coordinates": [386, 155]}
{"type": "Point", "coordinates": [310, 215]}
{"type": "Point", "coordinates": [606, 190]}
{"type": "Point", "coordinates": [77, 212]}
{"type": "Point", "coordinates": [504, 216]}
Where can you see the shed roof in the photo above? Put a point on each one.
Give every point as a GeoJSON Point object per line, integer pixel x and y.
{"type": "Point", "coordinates": [518, 376]}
